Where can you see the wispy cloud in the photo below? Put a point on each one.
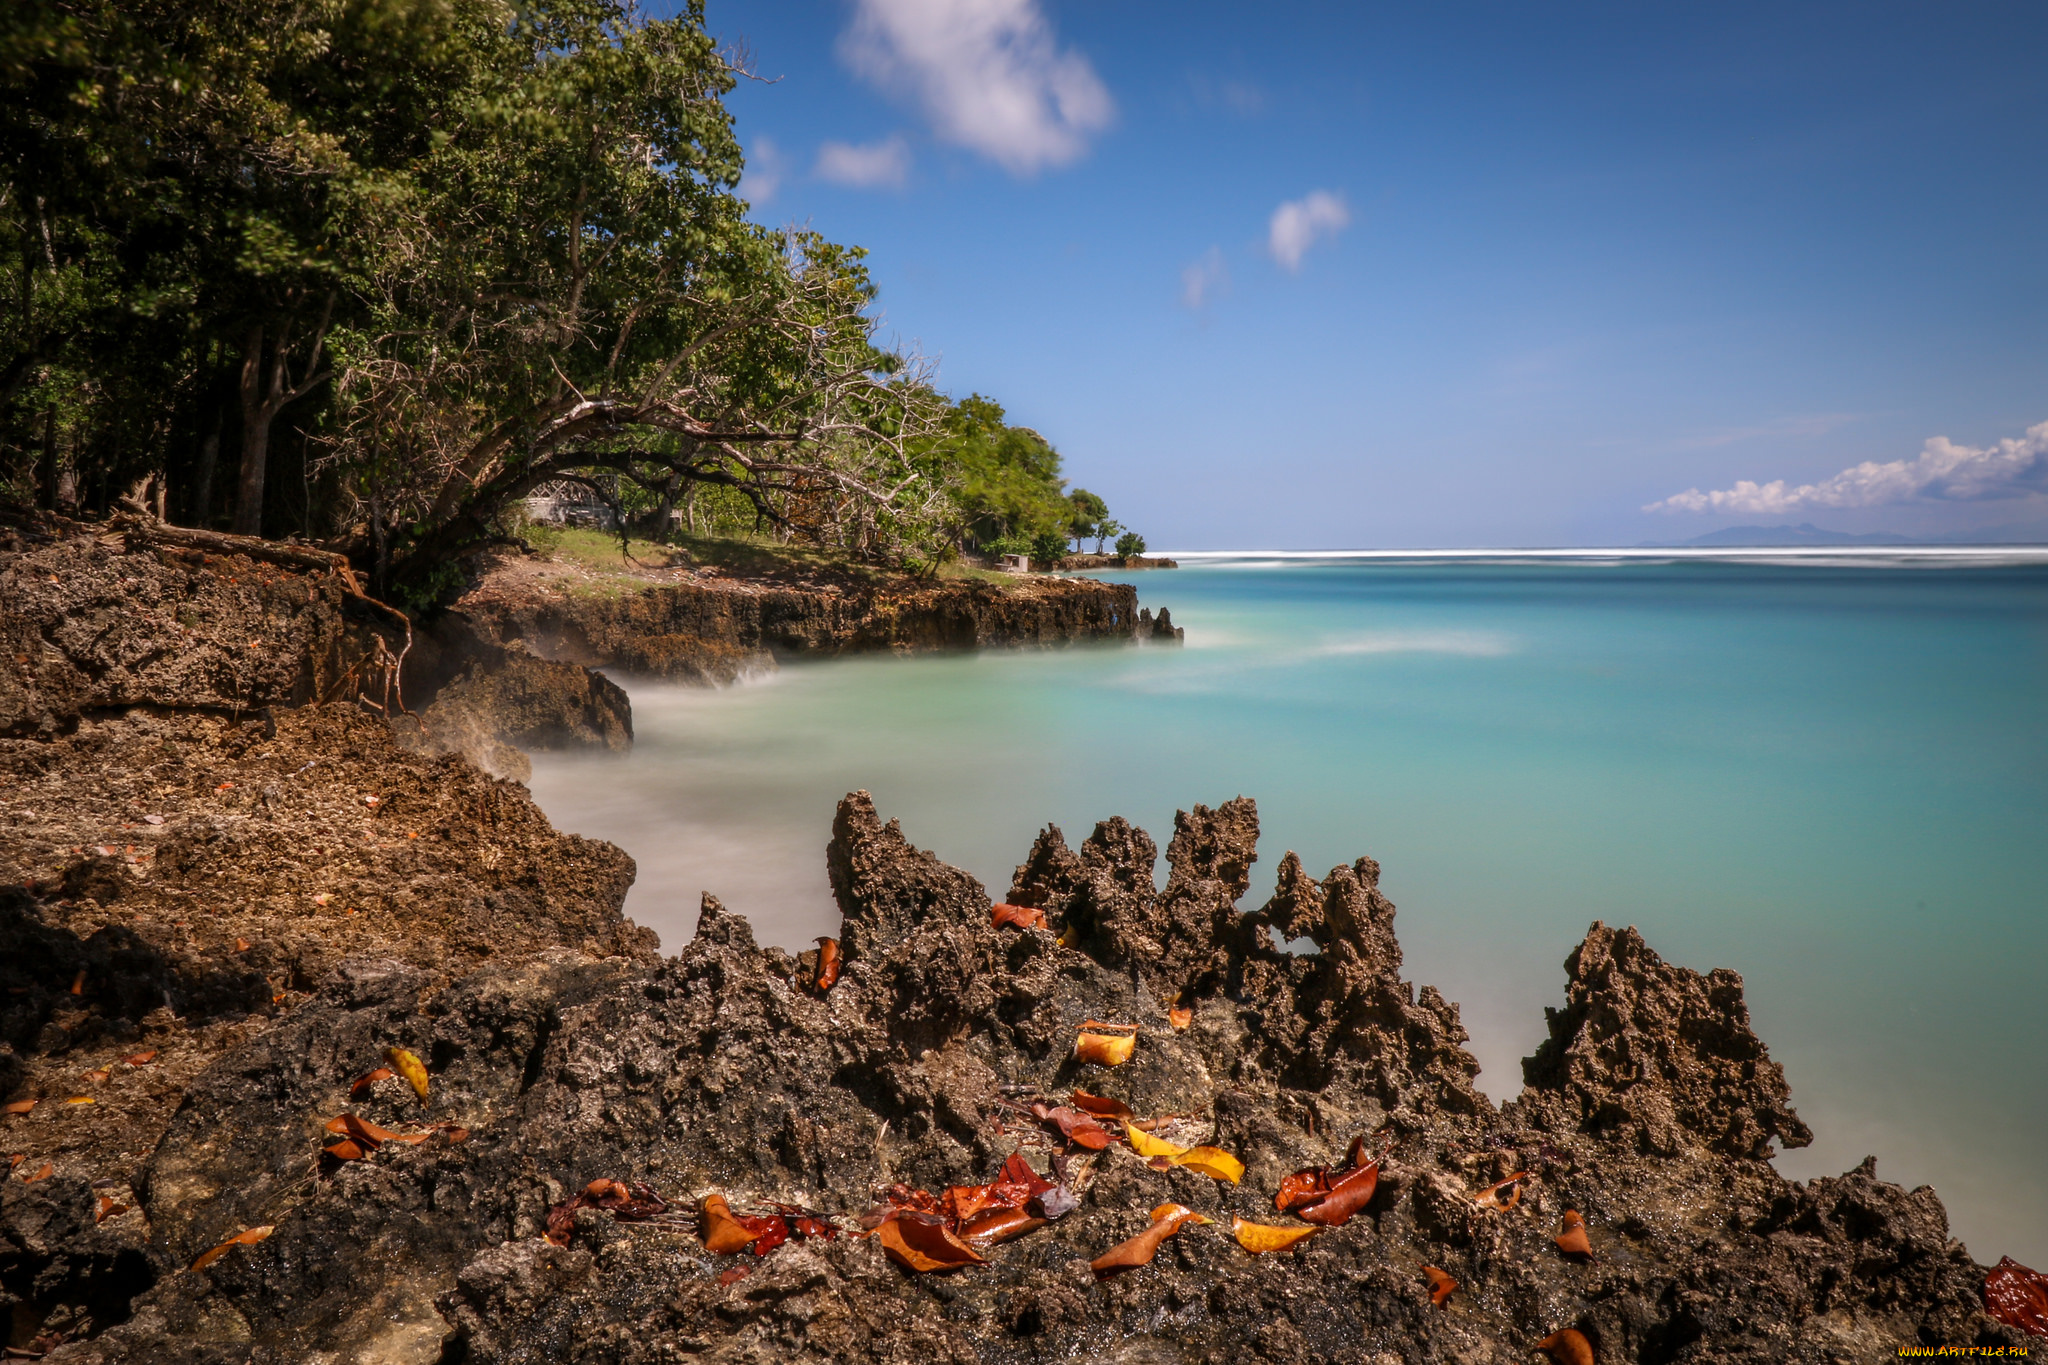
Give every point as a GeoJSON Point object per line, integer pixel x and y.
{"type": "Point", "coordinates": [1942, 472]}
{"type": "Point", "coordinates": [1300, 223]}
{"type": "Point", "coordinates": [765, 169]}
{"type": "Point", "coordinates": [989, 74]}
{"type": "Point", "coordinates": [883, 165]}
{"type": "Point", "coordinates": [1203, 279]}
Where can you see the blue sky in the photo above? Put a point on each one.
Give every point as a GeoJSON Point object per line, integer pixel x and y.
{"type": "Point", "coordinates": [1331, 275]}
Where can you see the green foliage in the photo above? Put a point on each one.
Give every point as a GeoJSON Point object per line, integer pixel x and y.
{"type": "Point", "coordinates": [1087, 516]}
{"type": "Point", "coordinates": [1048, 547]}
{"type": "Point", "coordinates": [1130, 545]}
{"type": "Point", "coordinates": [1004, 480]}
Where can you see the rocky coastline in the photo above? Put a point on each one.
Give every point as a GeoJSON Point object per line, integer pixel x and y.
{"type": "Point", "coordinates": [233, 891]}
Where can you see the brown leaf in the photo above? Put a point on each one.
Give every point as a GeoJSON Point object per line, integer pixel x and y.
{"type": "Point", "coordinates": [728, 1278]}
{"type": "Point", "coordinates": [720, 1232]}
{"type": "Point", "coordinates": [43, 1172]}
{"type": "Point", "coordinates": [19, 1106]}
{"type": "Point", "coordinates": [140, 1058]}
{"type": "Point", "coordinates": [1502, 1195]}
{"type": "Point", "coordinates": [248, 1237]}
{"type": "Point", "coordinates": [1102, 1104]}
{"type": "Point", "coordinates": [1568, 1347]}
{"type": "Point", "coordinates": [828, 965]}
{"type": "Point", "coordinates": [924, 1246]}
{"type": "Point", "coordinates": [1260, 1238]}
{"type": "Point", "coordinates": [1167, 1220]}
{"type": "Point", "coordinates": [1180, 1016]}
{"type": "Point", "coordinates": [998, 1225]}
{"type": "Point", "coordinates": [78, 983]}
{"type": "Point", "coordinates": [1350, 1191]}
{"type": "Point", "coordinates": [100, 1076]}
{"type": "Point", "coordinates": [2017, 1296]}
{"type": "Point", "coordinates": [108, 1208]}
{"type": "Point", "coordinates": [1076, 1127]}
{"type": "Point", "coordinates": [367, 1080]}
{"type": "Point", "coordinates": [370, 1135]}
{"type": "Point", "coordinates": [1016, 917]}
{"type": "Point", "coordinates": [1441, 1285]}
{"type": "Point", "coordinates": [1572, 1239]}
{"type": "Point", "coordinates": [241, 945]}
{"type": "Point", "coordinates": [345, 1150]}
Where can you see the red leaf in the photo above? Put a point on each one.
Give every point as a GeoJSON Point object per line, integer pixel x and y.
{"type": "Point", "coordinates": [1441, 1285]}
{"type": "Point", "coordinates": [1075, 1126]}
{"type": "Point", "coordinates": [828, 965]}
{"type": "Point", "coordinates": [1102, 1104]}
{"type": "Point", "coordinates": [2017, 1296]}
{"type": "Point", "coordinates": [924, 1246]}
{"type": "Point", "coordinates": [1349, 1194]}
{"type": "Point", "coordinates": [728, 1278]}
{"type": "Point", "coordinates": [1571, 1240]}
{"type": "Point", "coordinates": [1568, 1347]}
{"type": "Point", "coordinates": [1017, 917]}
{"type": "Point", "coordinates": [364, 1082]}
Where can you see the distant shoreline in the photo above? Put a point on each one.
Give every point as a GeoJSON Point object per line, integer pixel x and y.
{"type": "Point", "coordinates": [2004, 553]}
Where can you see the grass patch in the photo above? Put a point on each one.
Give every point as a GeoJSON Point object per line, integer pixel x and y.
{"type": "Point", "coordinates": [599, 553]}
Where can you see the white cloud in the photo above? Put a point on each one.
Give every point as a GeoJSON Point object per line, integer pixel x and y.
{"type": "Point", "coordinates": [865, 166]}
{"type": "Point", "coordinates": [1204, 279]}
{"type": "Point", "coordinates": [1943, 472]}
{"type": "Point", "coordinates": [765, 168]}
{"type": "Point", "coordinates": [989, 74]}
{"type": "Point", "coordinates": [1300, 223]}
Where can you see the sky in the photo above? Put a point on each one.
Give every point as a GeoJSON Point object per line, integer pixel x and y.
{"type": "Point", "coordinates": [1318, 276]}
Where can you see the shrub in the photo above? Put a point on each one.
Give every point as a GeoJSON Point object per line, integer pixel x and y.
{"type": "Point", "coordinates": [1130, 545]}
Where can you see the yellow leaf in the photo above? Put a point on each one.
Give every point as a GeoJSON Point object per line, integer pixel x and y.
{"type": "Point", "coordinates": [1103, 1049]}
{"type": "Point", "coordinates": [1185, 1214]}
{"type": "Point", "coordinates": [1145, 1145]}
{"type": "Point", "coordinates": [410, 1067]}
{"type": "Point", "coordinates": [1212, 1161]}
{"type": "Point", "coordinates": [1260, 1238]}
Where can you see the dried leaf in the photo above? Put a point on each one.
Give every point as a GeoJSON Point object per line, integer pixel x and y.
{"type": "Point", "coordinates": [923, 1246]}
{"type": "Point", "coordinates": [1180, 1016]}
{"type": "Point", "coordinates": [1350, 1191]}
{"type": "Point", "coordinates": [728, 1278]}
{"type": "Point", "coordinates": [108, 1208]}
{"type": "Point", "coordinates": [241, 945]}
{"type": "Point", "coordinates": [81, 1099]}
{"type": "Point", "coordinates": [100, 1076]}
{"type": "Point", "coordinates": [368, 1134]}
{"type": "Point", "coordinates": [2017, 1296]}
{"type": "Point", "coordinates": [1568, 1347]}
{"type": "Point", "coordinates": [720, 1232]}
{"type": "Point", "coordinates": [1571, 1240]}
{"type": "Point", "coordinates": [241, 1239]}
{"type": "Point", "coordinates": [1145, 1145]}
{"type": "Point", "coordinates": [140, 1058]}
{"type": "Point", "coordinates": [410, 1067]}
{"type": "Point", "coordinates": [78, 983]}
{"type": "Point", "coordinates": [1167, 1219]}
{"type": "Point", "coordinates": [43, 1172]}
{"type": "Point", "coordinates": [364, 1083]}
{"type": "Point", "coordinates": [828, 965]}
{"type": "Point", "coordinates": [1076, 1127]}
{"type": "Point", "coordinates": [1017, 917]}
{"type": "Point", "coordinates": [1057, 1202]}
{"type": "Point", "coordinates": [1441, 1285]}
{"type": "Point", "coordinates": [348, 1149]}
{"type": "Point", "coordinates": [1102, 1104]}
{"type": "Point", "coordinates": [1260, 1238]}
{"type": "Point", "coordinates": [1503, 1195]}
{"type": "Point", "coordinates": [1213, 1162]}
{"type": "Point", "coordinates": [1104, 1049]}
{"type": "Point", "coordinates": [998, 1225]}
{"type": "Point", "coordinates": [19, 1106]}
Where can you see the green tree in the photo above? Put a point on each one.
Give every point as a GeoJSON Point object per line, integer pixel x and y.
{"type": "Point", "coordinates": [1130, 545]}
{"type": "Point", "coordinates": [1085, 521]}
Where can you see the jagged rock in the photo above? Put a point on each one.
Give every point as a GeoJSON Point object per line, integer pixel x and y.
{"type": "Point", "coordinates": [1658, 1055]}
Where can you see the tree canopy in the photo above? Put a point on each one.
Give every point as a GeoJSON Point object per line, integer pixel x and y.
{"type": "Point", "coordinates": [373, 271]}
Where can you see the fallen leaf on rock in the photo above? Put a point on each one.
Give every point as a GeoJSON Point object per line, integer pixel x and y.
{"type": "Point", "coordinates": [1568, 1347]}
{"type": "Point", "coordinates": [1441, 1285]}
{"type": "Point", "coordinates": [321, 898]}
{"type": "Point", "coordinates": [19, 1106]}
{"type": "Point", "coordinates": [1057, 1202]}
{"type": "Point", "coordinates": [369, 1135]}
{"type": "Point", "coordinates": [2017, 1296]}
{"type": "Point", "coordinates": [1104, 1049]}
{"type": "Point", "coordinates": [720, 1232]}
{"type": "Point", "coordinates": [140, 1058]}
{"type": "Point", "coordinates": [1147, 1146]}
{"type": "Point", "coordinates": [998, 1225]}
{"type": "Point", "coordinates": [108, 1208]}
{"type": "Point", "coordinates": [1260, 1238]}
{"type": "Point", "coordinates": [99, 1076]}
{"type": "Point", "coordinates": [1167, 1220]}
{"type": "Point", "coordinates": [345, 1150]}
{"type": "Point", "coordinates": [1213, 1162]}
{"type": "Point", "coordinates": [43, 1172]}
{"type": "Point", "coordinates": [1180, 1016]}
{"type": "Point", "coordinates": [1102, 1104]}
{"type": "Point", "coordinates": [16, 1160]}
{"type": "Point", "coordinates": [240, 1239]}
{"type": "Point", "coordinates": [78, 984]}
{"type": "Point", "coordinates": [241, 945]}
{"type": "Point", "coordinates": [410, 1067]}
{"type": "Point", "coordinates": [1572, 1239]}
{"type": "Point", "coordinates": [367, 1080]}
{"type": "Point", "coordinates": [828, 965]}
{"type": "Point", "coordinates": [1016, 917]}
{"type": "Point", "coordinates": [1350, 1192]}
{"type": "Point", "coordinates": [1076, 1127]}
{"type": "Point", "coordinates": [728, 1278]}
{"type": "Point", "coordinates": [1502, 1195]}
{"type": "Point", "coordinates": [922, 1246]}
{"type": "Point", "coordinates": [81, 1099]}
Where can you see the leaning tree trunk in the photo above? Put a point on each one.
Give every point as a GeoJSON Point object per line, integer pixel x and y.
{"type": "Point", "coordinates": [256, 415]}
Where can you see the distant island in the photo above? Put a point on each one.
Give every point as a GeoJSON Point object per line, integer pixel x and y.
{"type": "Point", "coordinates": [1806, 533]}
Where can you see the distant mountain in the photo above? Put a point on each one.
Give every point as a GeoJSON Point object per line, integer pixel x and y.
{"type": "Point", "coordinates": [1806, 533]}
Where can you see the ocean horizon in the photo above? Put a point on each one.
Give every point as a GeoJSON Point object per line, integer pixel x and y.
{"type": "Point", "coordinates": [1823, 767]}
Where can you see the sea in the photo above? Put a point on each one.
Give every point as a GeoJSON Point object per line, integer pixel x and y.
{"type": "Point", "coordinates": [1826, 770]}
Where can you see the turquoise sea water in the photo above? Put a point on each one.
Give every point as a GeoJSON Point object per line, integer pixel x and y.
{"type": "Point", "coordinates": [1828, 773]}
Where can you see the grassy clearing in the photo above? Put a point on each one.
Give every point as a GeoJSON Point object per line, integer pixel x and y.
{"type": "Point", "coordinates": [618, 570]}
